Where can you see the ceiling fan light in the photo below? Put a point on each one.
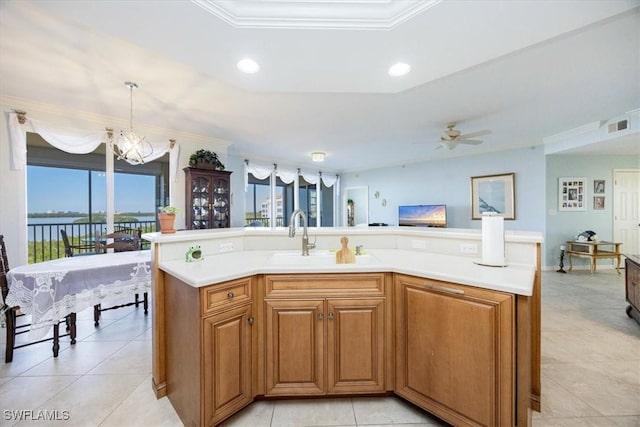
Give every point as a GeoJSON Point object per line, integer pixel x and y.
{"type": "Point", "coordinates": [399, 69]}
{"type": "Point", "coordinates": [248, 66]}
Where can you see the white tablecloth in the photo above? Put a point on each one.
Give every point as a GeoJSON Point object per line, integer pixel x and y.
{"type": "Point", "coordinates": [51, 290]}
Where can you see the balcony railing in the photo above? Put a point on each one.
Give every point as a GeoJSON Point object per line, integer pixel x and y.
{"type": "Point", "coordinates": [262, 221]}
{"type": "Point", "coordinates": [45, 242]}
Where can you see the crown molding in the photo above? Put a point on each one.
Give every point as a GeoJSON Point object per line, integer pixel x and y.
{"type": "Point", "coordinates": [316, 14]}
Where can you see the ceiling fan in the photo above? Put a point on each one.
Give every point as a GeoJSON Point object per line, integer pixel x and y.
{"type": "Point", "coordinates": [452, 137]}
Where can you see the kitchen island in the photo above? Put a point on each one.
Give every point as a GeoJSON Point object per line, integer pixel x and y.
{"type": "Point", "coordinates": [413, 316]}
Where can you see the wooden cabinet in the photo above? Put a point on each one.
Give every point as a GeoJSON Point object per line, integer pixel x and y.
{"type": "Point", "coordinates": [632, 286]}
{"type": "Point", "coordinates": [455, 351]}
{"type": "Point", "coordinates": [459, 352]}
{"type": "Point", "coordinates": [210, 351]}
{"type": "Point", "coordinates": [208, 198]}
{"type": "Point", "coordinates": [226, 348]}
{"type": "Point", "coordinates": [226, 353]}
{"type": "Point", "coordinates": [319, 340]}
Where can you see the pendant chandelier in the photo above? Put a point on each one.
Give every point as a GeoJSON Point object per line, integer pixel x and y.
{"type": "Point", "coordinates": [130, 147]}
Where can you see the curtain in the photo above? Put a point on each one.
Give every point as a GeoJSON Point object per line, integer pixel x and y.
{"type": "Point", "coordinates": [286, 176]}
{"type": "Point", "coordinates": [329, 180]}
{"type": "Point", "coordinates": [258, 171]}
{"type": "Point", "coordinates": [311, 178]}
{"type": "Point", "coordinates": [71, 141]}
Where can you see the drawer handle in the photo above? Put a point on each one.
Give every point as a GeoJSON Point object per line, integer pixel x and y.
{"type": "Point", "coordinates": [250, 320]}
{"type": "Point", "coordinates": [330, 316]}
{"type": "Point", "coordinates": [230, 295]}
{"type": "Point", "coordinates": [320, 316]}
{"type": "Point", "coordinates": [445, 289]}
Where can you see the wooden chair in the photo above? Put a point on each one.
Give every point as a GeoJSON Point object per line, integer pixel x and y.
{"type": "Point", "coordinates": [124, 239]}
{"type": "Point", "coordinates": [69, 249]}
{"type": "Point", "coordinates": [12, 315]}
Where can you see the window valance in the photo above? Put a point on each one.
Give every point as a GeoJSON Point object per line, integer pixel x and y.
{"type": "Point", "coordinates": [258, 171]}
{"type": "Point", "coordinates": [70, 141]}
{"type": "Point", "coordinates": [286, 175]}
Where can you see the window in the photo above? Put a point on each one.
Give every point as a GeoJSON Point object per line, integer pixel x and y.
{"type": "Point", "coordinates": [68, 191]}
{"type": "Point", "coordinates": [308, 201]}
{"type": "Point", "coordinates": [278, 198]}
{"type": "Point", "coordinates": [258, 202]}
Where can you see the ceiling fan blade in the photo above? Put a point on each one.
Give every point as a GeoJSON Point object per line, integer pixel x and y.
{"type": "Point", "coordinates": [470, 141]}
{"type": "Point", "coordinates": [474, 134]}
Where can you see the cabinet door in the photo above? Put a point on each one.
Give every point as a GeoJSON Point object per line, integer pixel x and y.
{"type": "Point", "coordinates": [454, 351]}
{"type": "Point", "coordinates": [199, 201]}
{"type": "Point", "coordinates": [221, 202]}
{"type": "Point", "coordinates": [226, 363]}
{"type": "Point", "coordinates": [355, 345]}
{"type": "Point", "coordinates": [294, 347]}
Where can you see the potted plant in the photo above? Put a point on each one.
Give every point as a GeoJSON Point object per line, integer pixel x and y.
{"type": "Point", "coordinates": [166, 218]}
{"type": "Point", "coordinates": [205, 159]}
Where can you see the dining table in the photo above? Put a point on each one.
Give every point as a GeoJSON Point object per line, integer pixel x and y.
{"type": "Point", "coordinates": [51, 290]}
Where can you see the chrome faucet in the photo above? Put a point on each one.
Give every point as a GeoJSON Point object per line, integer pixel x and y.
{"type": "Point", "coordinates": [305, 235]}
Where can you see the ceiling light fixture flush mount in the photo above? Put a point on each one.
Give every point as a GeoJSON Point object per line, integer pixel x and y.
{"type": "Point", "coordinates": [130, 147]}
{"type": "Point", "coordinates": [399, 69]}
{"type": "Point", "coordinates": [318, 156]}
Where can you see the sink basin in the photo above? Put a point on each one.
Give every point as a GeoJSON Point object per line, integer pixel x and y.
{"type": "Point", "coordinates": [316, 257]}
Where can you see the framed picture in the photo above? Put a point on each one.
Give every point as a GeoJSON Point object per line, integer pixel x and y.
{"type": "Point", "coordinates": [598, 186]}
{"type": "Point", "coordinates": [493, 193]}
{"type": "Point", "coordinates": [598, 202]}
{"type": "Point", "coordinates": [571, 196]}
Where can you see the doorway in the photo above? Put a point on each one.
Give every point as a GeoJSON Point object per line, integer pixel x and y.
{"type": "Point", "coordinates": [626, 209]}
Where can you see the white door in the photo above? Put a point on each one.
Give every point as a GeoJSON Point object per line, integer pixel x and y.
{"type": "Point", "coordinates": [626, 210]}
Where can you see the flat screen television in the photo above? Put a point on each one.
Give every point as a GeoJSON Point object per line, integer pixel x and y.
{"type": "Point", "coordinates": [422, 215]}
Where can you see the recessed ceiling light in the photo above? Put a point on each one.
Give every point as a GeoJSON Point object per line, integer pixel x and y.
{"type": "Point", "coordinates": [399, 69]}
{"type": "Point", "coordinates": [248, 66]}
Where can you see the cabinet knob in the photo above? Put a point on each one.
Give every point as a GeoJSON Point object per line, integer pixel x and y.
{"type": "Point", "coordinates": [230, 295]}
{"type": "Point", "coordinates": [320, 316]}
{"type": "Point", "coordinates": [250, 320]}
{"type": "Point", "coordinates": [330, 315]}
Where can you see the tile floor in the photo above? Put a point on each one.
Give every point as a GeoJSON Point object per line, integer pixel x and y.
{"type": "Point", "coordinates": [590, 372]}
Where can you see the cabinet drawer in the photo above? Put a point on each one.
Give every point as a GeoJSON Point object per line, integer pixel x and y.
{"type": "Point", "coordinates": [352, 284]}
{"type": "Point", "coordinates": [226, 295]}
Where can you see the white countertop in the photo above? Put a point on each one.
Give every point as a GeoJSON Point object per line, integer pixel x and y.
{"type": "Point", "coordinates": [516, 278]}
{"type": "Point", "coordinates": [447, 233]}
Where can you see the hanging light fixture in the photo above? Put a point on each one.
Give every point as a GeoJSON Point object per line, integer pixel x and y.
{"type": "Point", "coordinates": [130, 147]}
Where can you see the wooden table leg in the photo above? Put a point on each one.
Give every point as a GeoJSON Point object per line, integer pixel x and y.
{"type": "Point", "coordinates": [570, 264]}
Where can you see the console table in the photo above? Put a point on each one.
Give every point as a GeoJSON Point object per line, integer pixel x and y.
{"type": "Point", "coordinates": [591, 250]}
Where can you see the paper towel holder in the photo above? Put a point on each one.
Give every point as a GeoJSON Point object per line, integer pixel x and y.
{"type": "Point", "coordinates": [493, 241]}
